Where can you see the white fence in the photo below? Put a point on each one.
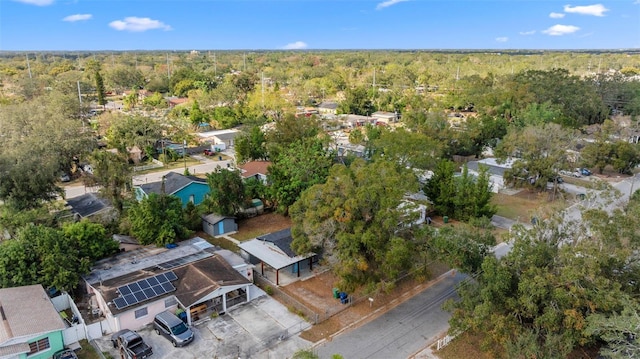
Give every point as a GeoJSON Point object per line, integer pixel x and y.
{"type": "Point", "coordinates": [445, 341]}
{"type": "Point", "coordinates": [79, 330]}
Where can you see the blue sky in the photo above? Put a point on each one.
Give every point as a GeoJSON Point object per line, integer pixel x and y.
{"type": "Point", "coordinates": [307, 24]}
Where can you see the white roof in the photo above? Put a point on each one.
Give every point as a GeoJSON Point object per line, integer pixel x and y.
{"type": "Point", "coordinates": [210, 134]}
{"type": "Point", "coordinates": [270, 254]}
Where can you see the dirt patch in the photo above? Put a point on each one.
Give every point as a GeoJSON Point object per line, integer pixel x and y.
{"type": "Point", "coordinates": [250, 228]}
{"type": "Point", "coordinates": [316, 292]}
{"type": "Point", "coordinates": [361, 311]}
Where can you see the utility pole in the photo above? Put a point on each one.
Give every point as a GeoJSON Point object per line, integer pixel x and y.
{"type": "Point", "coordinates": [262, 87]}
{"type": "Point", "coordinates": [168, 69]}
{"type": "Point", "coordinates": [28, 66]}
{"type": "Point", "coordinates": [80, 100]}
{"type": "Point", "coordinates": [215, 65]}
{"type": "Point", "coordinates": [184, 155]}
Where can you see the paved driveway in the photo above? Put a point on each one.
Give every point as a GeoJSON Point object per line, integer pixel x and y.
{"type": "Point", "coordinates": [263, 328]}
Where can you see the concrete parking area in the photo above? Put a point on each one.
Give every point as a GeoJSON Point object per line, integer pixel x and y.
{"type": "Point", "coordinates": [263, 328]}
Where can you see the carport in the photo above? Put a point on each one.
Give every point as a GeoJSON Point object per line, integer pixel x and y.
{"type": "Point", "coordinates": [274, 250]}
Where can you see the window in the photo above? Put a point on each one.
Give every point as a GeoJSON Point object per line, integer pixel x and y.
{"type": "Point", "coordinates": [38, 346]}
{"type": "Point", "coordinates": [192, 198]}
{"type": "Point", "coordinates": [142, 312]}
{"type": "Point", "coordinates": [170, 302]}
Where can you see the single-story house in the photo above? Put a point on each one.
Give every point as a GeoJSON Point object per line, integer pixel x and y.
{"type": "Point", "coordinates": [187, 188]}
{"type": "Point", "coordinates": [89, 205]}
{"type": "Point", "coordinates": [496, 171]}
{"type": "Point", "coordinates": [328, 108]}
{"type": "Point", "coordinates": [215, 224]}
{"type": "Point", "coordinates": [194, 278]}
{"type": "Point", "coordinates": [274, 250]}
{"type": "Point", "coordinates": [353, 121]}
{"type": "Point", "coordinates": [31, 326]}
{"type": "Point", "coordinates": [175, 101]}
{"type": "Point", "coordinates": [221, 139]}
{"type": "Point", "coordinates": [255, 169]}
{"type": "Point", "coordinates": [385, 117]}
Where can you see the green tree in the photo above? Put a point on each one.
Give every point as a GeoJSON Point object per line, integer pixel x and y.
{"type": "Point", "coordinates": [91, 239]}
{"type": "Point", "coordinates": [358, 102]}
{"type": "Point", "coordinates": [157, 219]}
{"type": "Point", "coordinates": [295, 169]}
{"type": "Point", "coordinates": [226, 196]}
{"type": "Point", "coordinates": [100, 89]}
{"type": "Point", "coordinates": [133, 131]}
{"type": "Point", "coordinates": [251, 146]}
{"type": "Point", "coordinates": [463, 247]}
{"type": "Point", "coordinates": [441, 188]}
{"type": "Point", "coordinates": [540, 152]}
{"type": "Point", "coordinates": [355, 219]}
{"type": "Point", "coordinates": [113, 174]}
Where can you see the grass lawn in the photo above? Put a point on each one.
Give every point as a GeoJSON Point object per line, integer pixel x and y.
{"type": "Point", "coordinates": [250, 228]}
{"type": "Point", "coordinates": [463, 347]}
{"type": "Point", "coordinates": [87, 351]}
{"type": "Point", "coordinates": [526, 204]}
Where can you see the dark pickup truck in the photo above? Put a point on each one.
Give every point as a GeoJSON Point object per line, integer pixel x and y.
{"type": "Point", "coordinates": [131, 345]}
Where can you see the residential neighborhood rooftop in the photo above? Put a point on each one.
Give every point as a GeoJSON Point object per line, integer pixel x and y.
{"type": "Point", "coordinates": [172, 183]}
{"type": "Point", "coordinates": [26, 311]}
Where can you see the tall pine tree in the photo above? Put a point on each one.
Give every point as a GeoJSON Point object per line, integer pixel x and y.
{"type": "Point", "coordinates": [100, 90]}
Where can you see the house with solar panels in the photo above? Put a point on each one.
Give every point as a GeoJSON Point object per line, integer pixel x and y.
{"type": "Point", "coordinates": [193, 280]}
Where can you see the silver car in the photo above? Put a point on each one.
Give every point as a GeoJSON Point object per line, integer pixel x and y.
{"type": "Point", "coordinates": [174, 329]}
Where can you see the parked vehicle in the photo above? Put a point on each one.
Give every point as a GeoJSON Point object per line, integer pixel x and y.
{"type": "Point", "coordinates": [65, 354]}
{"type": "Point", "coordinates": [576, 174]}
{"type": "Point", "coordinates": [171, 327]}
{"type": "Point", "coordinates": [209, 152]}
{"type": "Point", "coordinates": [585, 172]}
{"type": "Point", "coordinates": [131, 345]}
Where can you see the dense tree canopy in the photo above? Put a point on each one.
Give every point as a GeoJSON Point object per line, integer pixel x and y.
{"type": "Point", "coordinates": [157, 219]}
{"type": "Point", "coordinates": [356, 220]}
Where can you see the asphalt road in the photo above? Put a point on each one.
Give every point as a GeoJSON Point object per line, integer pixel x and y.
{"type": "Point", "coordinates": [402, 331]}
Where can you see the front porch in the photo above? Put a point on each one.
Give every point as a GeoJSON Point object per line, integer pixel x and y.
{"type": "Point", "coordinates": [218, 302]}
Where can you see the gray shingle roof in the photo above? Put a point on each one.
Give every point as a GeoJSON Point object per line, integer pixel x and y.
{"type": "Point", "coordinates": [173, 182]}
{"type": "Point", "coordinates": [87, 204]}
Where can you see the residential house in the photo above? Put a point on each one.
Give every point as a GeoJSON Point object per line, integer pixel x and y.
{"type": "Point", "coordinates": [328, 108]}
{"type": "Point", "coordinates": [275, 251]}
{"type": "Point", "coordinates": [215, 224]}
{"type": "Point", "coordinates": [496, 171]}
{"type": "Point", "coordinates": [31, 326]}
{"type": "Point", "coordinates": [255, 169]}
{"type": "Point", "coordinates": [175, 101]}
{"type": "Point", "coordinates": [187, 188]}
{"type": "Point", "coordinates": [221, 139]}
{"type": "Point", "coordinates": [90, 205]}
{"type": "Point", "coordinates": [194, 278]}
{"type": "Point", "coordinates": [384, 117]}
{"type": "Point", "coordinates": [353, 121]}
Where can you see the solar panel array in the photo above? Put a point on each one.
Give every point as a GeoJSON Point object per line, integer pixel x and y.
{"type": "Point", "coordinates": [184, 260]}
{"type": "Point", "coordinates": [145, 289]}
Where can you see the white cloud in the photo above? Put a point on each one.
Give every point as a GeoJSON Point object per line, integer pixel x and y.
{"type": "Point", "coordinates": [77, 17]}
{"type": "Point", "coordinates": [594, 10]}
{"type": "Point", "coordinates": [556, 15]}
{"type": "Point", "coordinates": [138, 24]}
{"type": "Point", "coordinates": [527, 32]}
{"type": "Point", "coordinates": [502, 39]}
{"type": "Point", "coordinates": [36, 2]}
{"type": "Point", "coordinates": [388, 3]}
{"type": "Point", "coordinates": [559, 30]}
{"type": "Point", "coordinates": [298, 45]}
